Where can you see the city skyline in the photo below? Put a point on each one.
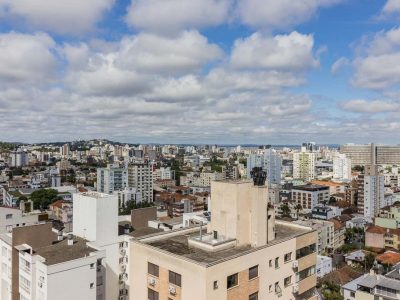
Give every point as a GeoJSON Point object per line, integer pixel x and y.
{"type": "Point", "coordinates": [210, 71]}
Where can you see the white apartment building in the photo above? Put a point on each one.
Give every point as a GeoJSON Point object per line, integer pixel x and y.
{"type": "Point", "coordinates": [95, 218]}
{"type": "Point", "coordinates": [341, 167]}
{"type": "Point", "coordinates": [14, 217]}
{"type": "Point", "coordinates": [19, 158]}
{"type": "Point", "coordinates": [304, 165]}
{"type": "Point", "coordinates": [271, 163]}
{"type": "Point", "coordinates": [374, 191]}
{"type": "Point", "coordinates": [203, 179]}
{"type": "Point", "coordinates": [325, 230]}
{"type": "Point", "coordinates": [310, 195]}
{"type": "Point", "coordinates": [324, 265]}
{"type": "Point", "coordinates": [111, 179]}
{"type": "Point", "coordinates": [140, 177]}
{"type": "Point", "coordinates": [163, 173]}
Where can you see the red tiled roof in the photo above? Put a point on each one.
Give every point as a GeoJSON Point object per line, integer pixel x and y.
{"type": "Point", "coordinates": [388, 258]}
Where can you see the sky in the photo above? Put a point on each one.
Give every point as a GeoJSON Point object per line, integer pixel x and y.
{"type": "Point", "coordinates": [200, 71]}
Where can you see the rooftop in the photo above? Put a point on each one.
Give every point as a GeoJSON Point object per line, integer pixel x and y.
{"type": "Point", "coordinates": [311, 187]}
{"type": "Point", "coordinates": [61, 252]}
{"type": "Point", "coordinates": [179, 245]}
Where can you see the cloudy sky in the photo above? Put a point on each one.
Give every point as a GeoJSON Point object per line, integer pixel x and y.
{"type": "Point", "coordinates": [202, 71]}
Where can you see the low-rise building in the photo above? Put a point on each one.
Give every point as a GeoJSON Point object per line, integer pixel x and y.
{"type": "Point", "coordinates": [310, 195]}
{"type": "Point", "coordinates": [324, 265]}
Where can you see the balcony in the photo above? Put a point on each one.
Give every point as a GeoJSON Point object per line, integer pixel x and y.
{"type": "Point", "coordinates": [307, 284]}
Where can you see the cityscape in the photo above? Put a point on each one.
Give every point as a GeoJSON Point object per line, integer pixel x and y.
{"type": "Point", "coordinates": [199, 150]}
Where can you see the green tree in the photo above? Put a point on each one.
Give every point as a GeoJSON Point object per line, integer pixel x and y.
{"type": "Point", "coordinates": [285, 210]}
{"type": "Point", "coordinates": [42, 198]}
{"type": "Point", "coordinates": [298, 208]}
{"type": "Point", "coordinates": [369, 261]}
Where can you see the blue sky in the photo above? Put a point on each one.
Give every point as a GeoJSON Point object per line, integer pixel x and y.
{"type": "Point", "coordinates": [200, 71]}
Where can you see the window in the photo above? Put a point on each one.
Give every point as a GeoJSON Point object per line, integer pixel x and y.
{"type": "Point", "coordinates": [270, 263]}
{"type": "Point", "coordinates": [287, 281]}
{"type": "Point", "coordinates": [92, 266]}
{"type": "Point", "coordinates": [215, 284]}
{"type": "Point", "coordinates": [270, 288]}
{"type": "Point", "coordinates": [253, 272]}
{"type": "Point", "coordinates": [253, 296]}
{"type": "Point", "coordinates": [232, 280]}
{"type": "Point", "coordinates": [8, 216]}
{"type": "Point", "coordinates": [152, 295]}
{"type": "Point", "coordinates": [92, 285]}
{"type": "Point", "coordinates": [175, 278]}
{"type": "Point", "coordinates": [277, 263]}
{"type": "Point", "coordinates": [152, 269]}
{"type": "Point", "coordinates": [352, 294]}
{"type": "Point", "coordinates": [305, 273]}
{"type": "Point", "coordinates": [288, 257]}
{"type": "Point", "coordinates": [305, 251]}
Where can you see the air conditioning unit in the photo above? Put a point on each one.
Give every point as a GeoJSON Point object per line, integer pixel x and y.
{"type": "Point", "coordinates": [151, 281]}
{"type": "Point", "coordinates": [295, 264]}
{"type": "Point", "coordinates": [122, 251]}
{"type": "Point", "coordinates": [123, 276]}
{"type": "Point", "coordinates": [172, 290]}
{"type": "Point", "coordinates": [295, 288]}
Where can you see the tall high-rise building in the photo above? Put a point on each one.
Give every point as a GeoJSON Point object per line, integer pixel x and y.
{"type": "Point", "coordinates": [271, 163]}
{"type": "Point", "coordinates": [374, 191]}
{"type": "Point", "coordinates": [140, 177]}
{"type": "Point", "coordinates": [310, 146]}
{"type": "Point", "coordinates": [304, 165]}
{"type": "Point", "coordinates": [64, 150]}
{"type": "Point", "coordinates": [19, 158]}
{"type": "Point", "coordinates": [112, 178]}
{"type": "Point", "coordinates": [371, 154]}
{"type": "Point", "coordinates": [341, 167]}
{"type": "Point", "coordinates": [243, 253]}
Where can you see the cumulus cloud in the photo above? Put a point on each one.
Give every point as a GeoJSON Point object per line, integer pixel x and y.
{"type": "Point", "coordinates": [369, 107]}
{"type": "Point", "coordinates": [272, 14]}
{"type": "Point", "coordinates": [169, 17]}
{"type": "Point", "coordinates": [376, 67]}
{"type": "Point", "coordinates": [281, 52]}
{"type": "Point", "coordinates": [62, 16]}
{"type": "Point", "coordinates": [392, 7]}
{"type": "Point", "coordinates": [26, 58]}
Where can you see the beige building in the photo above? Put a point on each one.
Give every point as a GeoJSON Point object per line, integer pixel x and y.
{"type": "Point", "coordinates": [242, 254]}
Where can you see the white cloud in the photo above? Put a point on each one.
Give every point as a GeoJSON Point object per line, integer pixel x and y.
{"type": "Point", "coordinates": [271, 14]}
{"type": "Point", "coordinates": [173, 16]}
{"type": "Point", "coordinates": [376, 67]}
{"type": "Point", "coordinates": [369, 107]}
{"type": "Point", "coordinates": [391, 7]}
{"type": "Point", "coordinates": [26, 58]}
{"type": "Point", "coordinates": [339, 64]}
{"type": "Point", "coordinates": [60, 16]}
{"type": "Point", "coordinates": [281, 52]}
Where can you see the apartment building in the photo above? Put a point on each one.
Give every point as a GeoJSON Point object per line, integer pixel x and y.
{"type": "Point", "coordinates": [238, 255]}
{"type": "Point", "coordinates": [140, 177]}
{"type": "Point", "coordinates": [341, 167]}
{"type": "Point", "coordinates": [231, 172]}
{"type": "Point", "coordinates": [389, 217]}
{"type": "Point", "coordinates": [325, 231]}
{"type": "Point", "coordinates": [271, 163]}
{"type": "Point", "coordinates": [310, 195]}
{"type": "Point", "coordinates": [374, 191]}
{"type": "Point", "coordinates": [112, 178]}
{"type": "Point", "coordinates": [372, 154]}
{"type": "Point", "coordinates": [13, 217]}
{"type": "Point", "coordinates": [163, 173]}
{"type": "Point", "coordinates": [380, 237]}
{"type": "Point", "coordinates": [304, 165]}
{"type": "Point", "coordinates": [202, 179]}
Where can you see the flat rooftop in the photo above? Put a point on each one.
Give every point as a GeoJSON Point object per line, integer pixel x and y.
{"type": "Point", "coordinates": [61, 252]}
{"type": "Point", "coordinates": [179, 245]}
{"type": "Point", "coordinates": [310, 187]}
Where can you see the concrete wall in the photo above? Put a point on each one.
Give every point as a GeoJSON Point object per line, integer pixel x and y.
{"type": "Point", "coordinates": [140, 217]}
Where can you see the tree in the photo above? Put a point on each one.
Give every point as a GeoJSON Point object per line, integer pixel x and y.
{"type": "Point", "coordinates": [369, 261]}
{"type": "Point", "coordinates": [298, 208]}
{"type": "Point", "coordinates": [42, 198]}
{"type": "Point", "coordinates": [285, 210]}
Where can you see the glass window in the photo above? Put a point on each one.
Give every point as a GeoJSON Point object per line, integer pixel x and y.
{"type": "Point", "coordinates": [305, 251]}
{"type": "Point", "coordinates": [152, 269]}
{"type": "Point", "coordinates": [152, 295]}
{"type": "Point", "coordinates": [287, 281]}
{"type": "Point", "coordinates": [277, 263]}
{"type": "Point", "coordinates": [253, 296]}
{"type": "Point", "coordinates": [232, 280]}
{"type": "Point", "coordinates": [253, 272]}
{"type": "Point", "coordinates": [288, 257]}
{"type": "Point", "coordinates": [175, 278]}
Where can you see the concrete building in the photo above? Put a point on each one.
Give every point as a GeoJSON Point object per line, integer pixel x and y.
{"type": "Point", "coordinates": [376, 286]}
{"type": "Point", "coordinates": [341, 167]}
{"type": "Point", "coordinates": [374, 191]}
{"type": "Point", "coordinates": [388, 217]}
{"type": "Point", "coordinates": [64, 150]}
{"type": "Point", "coordinates": [18, 158]}
{"type": "Point", "coordinates": [325, 212]}
{"type": "Point", "coordinates": [371, 154]}
{"type": "Point", "coordinates": [304, 165]}
{"type": "Point", "coordinates": [231, 172]}
{"type": "Point", "coordinates": [140, 177]}
{"type": "Point", "coordinates": [324, 265]}
{"type": "Point", "coordinates": [238, 256]}
{"type": "Point", "coordinates": [325, 230]}
{"type": "Point", "coordinates": [310, 195]}
{"type": "Point", "coordinates": [163, 173]}
{"type": "Point", "coordinates": [95, 219]}
{"type": "Point", "coordinates": [271, 163]}
{"type": "Point", "coordinates": [111, 179]}
{"type": "Point", "coordinates": [14, 217]}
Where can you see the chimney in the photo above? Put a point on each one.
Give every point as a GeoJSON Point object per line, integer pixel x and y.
{"type": "Point", "coordinates": [70, 240]}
